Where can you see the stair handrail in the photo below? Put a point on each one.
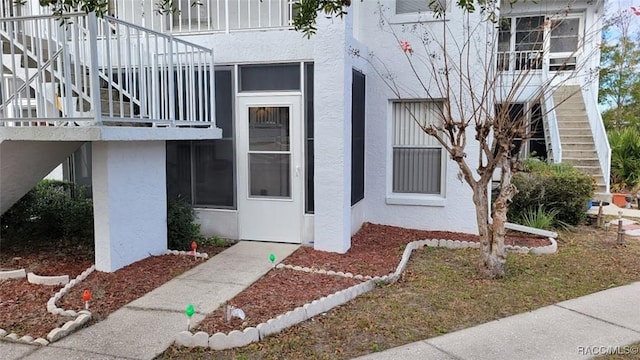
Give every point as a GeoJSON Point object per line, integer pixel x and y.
{"type": "Point", "coordinates": [154, 32]}
{"type": "Point", "coordinates": [25, 50]}
{"type": "Point", "coordinates": [27, 83]}
{"type": "Point", "coordinates": [601, 141]}
{"type": "Point", "coordinates": [56, 73]}
{"type": "Point", "coordinates": [551, 122]}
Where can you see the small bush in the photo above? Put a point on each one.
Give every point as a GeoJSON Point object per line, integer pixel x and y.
{"type": "Point", "coordinates": [558, 188]}
{"type": "Point", "coordinates": [52, 209]}
{"type": "Point", "coordinates": [181, 226]}
{"type": "Point", "coordinates": [625, 159]}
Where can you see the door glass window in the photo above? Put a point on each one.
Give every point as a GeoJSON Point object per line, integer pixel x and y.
{"type": "Point", "coordinates": [269, 152]}
{"type": "Point", "coordinates": [268, 128]}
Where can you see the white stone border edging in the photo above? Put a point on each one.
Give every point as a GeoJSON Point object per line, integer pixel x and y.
{"type": "Point", "coordinates": [13, 274]}
{"type": "Point", "coordinates": [187, 253]}
{"type": "Point", "coordinates": [54, 335]}
{"type": "Point", "coordinates": [81, 317]}
{"type": "Point", "coordinates": [237, 338]}
{"type": "Point", "coordinates": [51, 304]}
{"type": "Point", "coordinates": [47, 280]}
{"type": "Point", "coordinates": [450, 244]}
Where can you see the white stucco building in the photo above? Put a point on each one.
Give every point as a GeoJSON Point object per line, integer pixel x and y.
{"type": "Point", "coordinates": [269, 135]}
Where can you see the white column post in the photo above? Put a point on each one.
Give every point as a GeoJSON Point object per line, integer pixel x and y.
{"type": "Point", "coordinates": [332, 137]}
{"type": "Point", "coordinates": [129, 202]}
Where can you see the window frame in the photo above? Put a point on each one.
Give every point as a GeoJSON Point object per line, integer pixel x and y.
{"type": "Point", "coordinates": [420, 199]}
{"type": "Point", "coordinates": [546, 41]}
{"type": "Point", "coordinates": [565, 57]}
{"type": "Point", "coordinates": [416, 17]}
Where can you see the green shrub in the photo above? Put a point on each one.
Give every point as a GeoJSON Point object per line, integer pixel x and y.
{"type": "Point", "coordinates": [181, 226]}
{"type": "Point", "coordinates": [625, 158]}
{"type": "Point", "coordinates": [559, 188]}
{"type": "Point", "coordinates": [52, 209]}
{"type": "Point", "coordinates": [541, 218]}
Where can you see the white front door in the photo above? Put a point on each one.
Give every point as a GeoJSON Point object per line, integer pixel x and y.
{"type": "Point", "coordinates": [270, 168]}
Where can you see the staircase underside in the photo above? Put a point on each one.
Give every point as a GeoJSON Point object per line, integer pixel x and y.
{"type": "Point", "coordinates": [24, 163]}
{"type": "Point", "coordinates": [28, 154]}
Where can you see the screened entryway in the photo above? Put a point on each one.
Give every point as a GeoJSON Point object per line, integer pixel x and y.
{"type": "Point", "coordinates": [524, 41]}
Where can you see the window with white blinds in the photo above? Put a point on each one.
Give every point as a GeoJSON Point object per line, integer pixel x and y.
{"type": "Point", "coordinates": [412, 6]}
{"type": "Point", "coordinates": [417, 157]}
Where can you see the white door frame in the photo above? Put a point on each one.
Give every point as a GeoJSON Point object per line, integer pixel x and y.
{"type": "Point", "coordinates": [261, 217]}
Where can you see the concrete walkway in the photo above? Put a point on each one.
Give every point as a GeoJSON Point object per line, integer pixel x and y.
{"type": "Point", "coordinates": [146, 327]}
{"type": "Point", "coordinates": [575, 329]}
{"type": "Point", "coordinates": [612, 210]}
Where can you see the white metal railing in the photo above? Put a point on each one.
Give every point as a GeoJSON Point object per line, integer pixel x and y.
{"type": "Point", "coordinates": [39, 77]}
{"type": "Point", "coordinates": [551, 126]}
{"type": "Point", "coordinates": [599, 136]}
{"type": "Point", "coordinates": [148, 75]}
{"type": "Point", "coordinates": [207, 15]}
{"type": "Point", "coordinates": [519, 60]}
{"type": "Point", "coordinates": [90, 70]}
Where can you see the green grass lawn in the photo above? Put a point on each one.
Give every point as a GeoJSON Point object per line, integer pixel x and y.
{"type": "Point", "coordinates": [442, 292]}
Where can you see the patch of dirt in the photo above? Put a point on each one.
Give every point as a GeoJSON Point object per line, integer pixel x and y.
{"type": "Point", "coordinates": [23, 305]}
{"type": "Point", "coordinates": [377, 249]}
{"type": "Point", "coordinates": [277, 292]}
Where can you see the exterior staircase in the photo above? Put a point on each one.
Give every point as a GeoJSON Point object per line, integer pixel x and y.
{"type": "Point", "coordinates": [578, 144]}
{"type": "Point", "coordinates": [61, 86]}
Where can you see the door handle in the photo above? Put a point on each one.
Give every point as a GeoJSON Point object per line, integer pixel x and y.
{"type": "Point", "coordinates": [297, 171]}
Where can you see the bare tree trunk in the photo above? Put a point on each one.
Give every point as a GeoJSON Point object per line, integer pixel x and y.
{"type": "Point", "coordinates": [492, 235]}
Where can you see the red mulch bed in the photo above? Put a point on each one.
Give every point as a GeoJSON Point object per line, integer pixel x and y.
{"type": "Point", "coordinates": [23, 305]}
{"type": "Point", "coordinates": [277, 292]}
{"type": "Point", "coordinates": [377, 249]}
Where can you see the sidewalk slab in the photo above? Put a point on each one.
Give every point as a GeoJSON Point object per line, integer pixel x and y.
{"type": "Point", "coordinates": [13, 351]}
{"type": "Point", "coordinates": [548, 333]}
{"type": "Point", "coordinates": [131, 334]}
{"type": "Point", "coordinates": [243, 263]}
{"type": "Point", "coordinates": [176, 295]}
{"type": "Point", "coordinates": [619, 305]}
{"type": "Point", "coordinates": [418, 350]}
{"type": "Point", "coordinates": [51, 353]}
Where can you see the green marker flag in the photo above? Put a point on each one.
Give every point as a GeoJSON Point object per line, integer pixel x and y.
{"type": "Point", "coordinates": [189, 311]}
{"type": "Point", "coordinates": [272, 258]}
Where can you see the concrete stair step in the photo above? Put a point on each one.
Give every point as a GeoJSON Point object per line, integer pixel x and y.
{"type": "Point", "coordinates": [572, 154]}
{"type": "Point", "coordinates": [575, 132]}
{"type": "Point", "coordinates": [590, 170]}
{"type": "Point", "coordinates": [581, 161]}
{"type": "Point", "coordinates": [576, 138]}
{"type": "Point", "coordinates": [578, 146]}
{"type": "Point", "coordinates": [582, 124]}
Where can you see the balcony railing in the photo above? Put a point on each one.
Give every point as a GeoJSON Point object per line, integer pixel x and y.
{"type": "Point", "coordinates": [93, 71]}
{"type": "Point", "coordinates": [191, 16]}
{"type": "Point", "coordinates": [520, 60]}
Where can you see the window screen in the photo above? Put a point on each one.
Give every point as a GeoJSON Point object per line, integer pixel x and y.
{"type": "Point", "coordinates": [357, 137]}
{"type": "Point", "coordinates": [417, 157]}
{"type": "Point", "coordinates": [270, 77]}
{"type": "Point", "coordinates": [412, 6]}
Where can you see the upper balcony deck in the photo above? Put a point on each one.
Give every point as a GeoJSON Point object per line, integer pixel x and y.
{"type": "Point", "coordinates": [198, 16]}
